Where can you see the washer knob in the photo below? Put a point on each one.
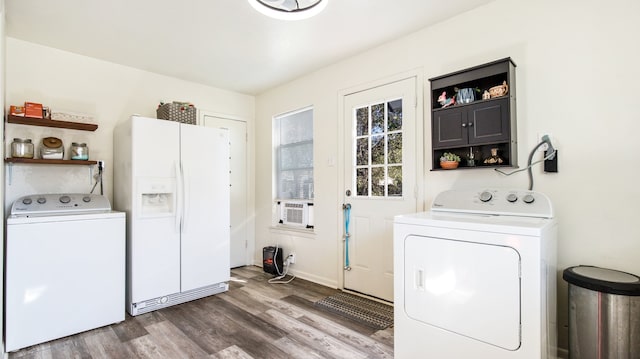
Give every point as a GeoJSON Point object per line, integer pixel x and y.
{"type": "Point", "coordinates": [86, 199]}
{"type": "Point", "coordinates": [528, 198]}
{"type": "Point", "coordinates": [26, 201]}
{"type": "Point", "coordinates": [486, 196]}
{"type": "Point", "coordinates": [65, 199]}
{"type": "Point", "coordinates": [41, 200]}
{"type": "Point", "coordinates": [511, 197]}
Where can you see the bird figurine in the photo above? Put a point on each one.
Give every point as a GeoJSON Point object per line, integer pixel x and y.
{"type": "Point", "coordinates": [444, 101]}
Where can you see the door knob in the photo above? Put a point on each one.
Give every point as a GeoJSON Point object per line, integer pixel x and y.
{"type": "Point", "coordinates": [348, 193]}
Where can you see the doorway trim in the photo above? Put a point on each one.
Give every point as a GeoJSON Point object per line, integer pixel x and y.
{"type": "Point", "coordinates": [420, 157]}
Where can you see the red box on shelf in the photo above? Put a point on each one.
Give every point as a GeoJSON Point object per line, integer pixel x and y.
{"type": "Point", "coordinates": [16, 110]}
{"type": "Point", "coordinates": [33, 110]}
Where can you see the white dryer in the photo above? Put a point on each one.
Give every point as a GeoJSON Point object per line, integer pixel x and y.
{"type": "Point", "coordinates": [476, 277]}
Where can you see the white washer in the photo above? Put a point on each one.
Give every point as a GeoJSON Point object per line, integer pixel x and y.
{"type": "Point", "coordinates": [476, 277]}
{"type": "Point", "coordinates": [65, 267]}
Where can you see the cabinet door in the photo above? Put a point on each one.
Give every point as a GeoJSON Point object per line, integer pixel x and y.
{"type": "Point", "coordinates": [449, 128]}
{"type": "Point", "coordinates": [489, 122]}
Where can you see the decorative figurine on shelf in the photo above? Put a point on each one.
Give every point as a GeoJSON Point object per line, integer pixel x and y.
{"type": "Point", "coordinates": [494, 159]}
{"type": "Point", "coordinates": [486, 95]}
{"type": "Point", "coordinates": [444, 101]}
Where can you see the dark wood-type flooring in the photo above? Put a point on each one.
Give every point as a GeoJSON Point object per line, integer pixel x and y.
{"type": "Point", "coordinates": [254, 319]}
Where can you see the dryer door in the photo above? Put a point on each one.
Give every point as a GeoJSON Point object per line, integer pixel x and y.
{"type": "Point", "coordinates": [471, 289]}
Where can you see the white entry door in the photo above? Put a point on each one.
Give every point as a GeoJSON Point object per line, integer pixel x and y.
{"type": "Point", "coordinates": [380, 181]}
{"type": "Point", "coordinates": [238, 137]}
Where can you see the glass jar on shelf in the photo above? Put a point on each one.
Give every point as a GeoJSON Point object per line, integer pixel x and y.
{"type": "Point", "coordinates": [79, 151]}
{"type": "Point", "coordinates": [22, 148]}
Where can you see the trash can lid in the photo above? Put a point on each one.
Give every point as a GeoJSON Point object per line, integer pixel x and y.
{"type": "Point", "coordinates": [603, 280]}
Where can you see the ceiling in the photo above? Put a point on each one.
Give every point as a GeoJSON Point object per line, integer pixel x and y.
{"type": "Point", "coordinates": [220, 43]}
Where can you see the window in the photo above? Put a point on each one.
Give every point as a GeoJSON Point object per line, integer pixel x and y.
{"type": "Point", "coordinates": [293, 140]}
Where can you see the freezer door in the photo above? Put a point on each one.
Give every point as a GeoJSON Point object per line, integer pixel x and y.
{"type": "Point", "coordinates": [156, 147]}
{"type": "Point", "coordinates": [153, 246]}
{"type": "Point", "coordinates": [205, 250]}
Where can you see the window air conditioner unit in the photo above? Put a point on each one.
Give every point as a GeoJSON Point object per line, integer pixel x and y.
{"type": "Point", "coordinates": [295, 213]}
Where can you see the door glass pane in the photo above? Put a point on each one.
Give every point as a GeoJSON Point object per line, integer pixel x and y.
{"type": "Point", "coordinates": [362, 181]}
{"type": "Point", "coordinates": [377, 150]}
{"type": "Point", "coordinates": [362, 151]}
{"type": "Point", "coordinates": [395, 115]}
{"type": "Point", "coordinates": [395, 181]}
{"type": "Point", "coordinates": [377, 181]}
{"type": "Point", "coordinates": [394, 148]}
{"type": "Point", "coordinates": [362, 121]}
{"type": "Point", "coordinates": [377, 118]}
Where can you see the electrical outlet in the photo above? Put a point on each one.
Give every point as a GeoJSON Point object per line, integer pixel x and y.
{"type": "Point", "coordinates": [552, 164]}
{"type": "Point", "coordinates": [292, 258]}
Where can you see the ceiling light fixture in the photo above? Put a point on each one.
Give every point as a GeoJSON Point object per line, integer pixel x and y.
{"type": "Point", "coordinates": [289, 9]}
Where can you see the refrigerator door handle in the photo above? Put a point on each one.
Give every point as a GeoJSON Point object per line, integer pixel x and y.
{"type": "Point", "coordinates": [179, 194]}
{"type": "Point", "coordinates": [185, 198]}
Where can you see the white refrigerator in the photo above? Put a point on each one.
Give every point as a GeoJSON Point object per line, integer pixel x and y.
{"type": "Point", "coordinates": [172, 180]}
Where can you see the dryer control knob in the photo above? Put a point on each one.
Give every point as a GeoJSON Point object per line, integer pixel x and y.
{"type": "Point", "coordinates": [86, 199]}
{"type": "Point", "coordinates": [26, 201]}
{"type": "Point", "coordinates": [486, 196]}
{"type": "Point", "coordinates": [65, 199]}
{"type": "Point", "coordinates": [528, 198]}
{"type": "Point", "coordinates": [512, 197]}
{"type": "Point", "coordinates": [41, 200]}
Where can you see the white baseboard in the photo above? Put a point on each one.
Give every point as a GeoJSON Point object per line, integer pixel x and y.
{"type": "Point", "coordinates": [308, 276]}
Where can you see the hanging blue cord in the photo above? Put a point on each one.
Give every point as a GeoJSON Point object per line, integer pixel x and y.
{"type": "Point", "coordinates": [347, 215]}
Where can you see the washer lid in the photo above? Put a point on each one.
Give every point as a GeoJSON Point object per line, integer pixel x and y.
{"type": "Point", "coordinates": [603, 280]}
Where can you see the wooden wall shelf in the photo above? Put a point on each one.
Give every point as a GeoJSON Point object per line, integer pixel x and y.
{"type": "Point", "coordinates": [51, 123]}
{"type": "Point", "coordinates": [49, 162]}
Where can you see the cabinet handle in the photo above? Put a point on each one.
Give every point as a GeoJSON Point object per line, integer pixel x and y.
{"type": "Point", "coordinates": [464, 124]}
{"type": "Point", "coordinates": [470, 124]}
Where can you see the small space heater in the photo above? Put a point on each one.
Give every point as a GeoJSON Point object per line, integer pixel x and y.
{"type": "Point", "coordinates": [272, 260]}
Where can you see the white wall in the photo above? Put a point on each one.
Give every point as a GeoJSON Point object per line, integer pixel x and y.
{"type": "Point", "coordinates": [576, 72]}
{"type": "Point", "coordinates": [109, 92]}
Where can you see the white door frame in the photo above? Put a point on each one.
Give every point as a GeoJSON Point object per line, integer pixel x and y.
{"type": "Point", "coordinates": [249, 190]}
{"type": "Point", "coordinates": [420, 136]}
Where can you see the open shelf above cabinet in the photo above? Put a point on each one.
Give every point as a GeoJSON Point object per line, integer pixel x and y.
{"type": "Point", "coordinates": [49, 162]}
{"type": "Point", "coordinates": [51, 123]}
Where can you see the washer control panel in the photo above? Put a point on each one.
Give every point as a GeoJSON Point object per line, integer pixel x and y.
{"type": "Point", "coordinates": [494, 201]}
{"type": "Point", "coordinates": [50, 203]}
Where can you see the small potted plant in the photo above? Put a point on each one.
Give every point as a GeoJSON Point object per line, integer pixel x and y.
{"type": "Point", "coordinates": [449, 160]}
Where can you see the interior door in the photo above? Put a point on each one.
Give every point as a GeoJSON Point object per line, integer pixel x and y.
{"type": "Point", "coordinates": [238, 137]}
{"type": "Point", "coordinates": [380, 181]}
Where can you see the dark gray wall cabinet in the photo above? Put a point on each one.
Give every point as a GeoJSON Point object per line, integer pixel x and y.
{"type": "Point", "coordinates": [475, 125]}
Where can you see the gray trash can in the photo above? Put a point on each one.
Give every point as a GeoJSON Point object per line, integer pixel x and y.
{"type": "Point", "coordinates": [604, 313]}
